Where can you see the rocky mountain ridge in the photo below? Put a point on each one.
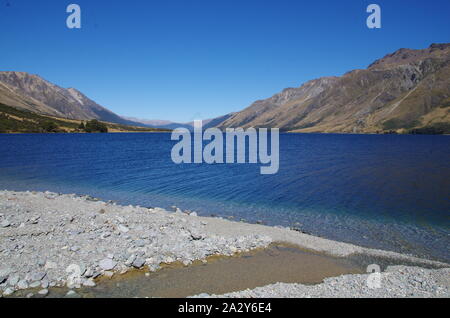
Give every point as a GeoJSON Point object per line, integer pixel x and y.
{"type": "Point", "coordinates": [404, 90]}
{"type": "Point", "coordinates": [31, 92]}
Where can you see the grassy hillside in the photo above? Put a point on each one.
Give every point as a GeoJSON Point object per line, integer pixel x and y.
{"type": "Point", "coordinates": [13, 120]}
{"type": "Point", "coordinates": [407, 91]}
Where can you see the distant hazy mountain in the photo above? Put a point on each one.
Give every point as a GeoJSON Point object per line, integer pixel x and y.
{"type": "Point", "coordinates": [207, 123]}
{"type": "Point", "coordinates": [151, 122]}
{"type": "Point", "coordinates": [406, 89]}
{"type": "Point", "coordinates": [156, 123]}
{"type": "Point", "coordinates": [31, 92]}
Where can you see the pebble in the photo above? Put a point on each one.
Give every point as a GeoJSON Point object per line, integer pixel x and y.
{"type": "Point", "coordinates": [123, 228]}
{"type": "Point", "coordinates": [8, 291]}
{"type": "Point", "coordinates": [22, 284]}
{"type": "Point", "coordinates": [130, 260]}
{"type": "Point", "coordinates": [107, 264]}
{"type": "Point", "coordinates": [140, 243]}
{"type": "Point", "coordinates": [139, 262]}
{"type": "Point", "coordinates": [35, 219]}
{"type": "Point", "coordinates": [89, 283]}
{"type": "Point", "coordinates": [13, 280]}
{"type": "Point", "coordinates": [50, 265]}
{"type": "Point", "coordinates": [120, 219]}
{"type": "Point", "coordinates": [108, 274]}
{"type": "Point", "coordinates": [105, 235]}
{"type": "Point", "coordinates": [75, 248]}
{"type": "Point", "coordinates": [35, 284]}
{"type": "Point", "coordinates": [89, 273]}
{"type": "Point", "coordinates": [43, 292]}
{"type": "Point", "coordinates": [37, 276]}
{"type": "Point", "coordinates": [45, 284]}
{"type": "Point", "coordinates": [72, 294]}
{"type": "Point", "coordinates": [96, 274]}
{"type": "Point", "coordinates": [83, 269]}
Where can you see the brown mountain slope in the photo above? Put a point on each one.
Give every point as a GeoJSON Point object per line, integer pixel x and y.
{"type": "Point", "coordinates": [33, 93]}
{"type": "Point", "coordinates": [404, 90]}
{"type": "Point", "coordinates": [9, 96]}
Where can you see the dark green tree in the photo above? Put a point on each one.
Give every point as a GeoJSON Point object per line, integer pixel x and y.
{"type": "Point", "coordinates": [49, 126]}
{"type": "Point", "coordinates": [95, 126]}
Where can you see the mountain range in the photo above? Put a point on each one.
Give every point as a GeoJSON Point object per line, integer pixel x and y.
{"type": "Point", "coordinates": [408, 89]}
{"type": "Point", "coordinates": [404, 90]}
{"type": "Point", "coordinates": [33, 93]}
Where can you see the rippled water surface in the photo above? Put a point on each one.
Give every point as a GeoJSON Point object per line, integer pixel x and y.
{"type": "Point", "coordinates": [383, 191]}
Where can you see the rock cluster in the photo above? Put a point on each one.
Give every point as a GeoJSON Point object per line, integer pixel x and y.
{"type": "Point", "coordinates": [48, 240]}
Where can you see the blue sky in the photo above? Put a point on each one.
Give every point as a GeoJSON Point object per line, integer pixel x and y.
{"type": "Point", "coordinates": [184, 59]}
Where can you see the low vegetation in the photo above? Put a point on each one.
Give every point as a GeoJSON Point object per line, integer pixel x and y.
{"type": "Point", "coordinates": [397, 123]}
{"type": "Point", "coordinates": [436, 129]}
{"type": "Point", "coordinates": [13, 120]}
{"type": "Point", "coordinates": [94, 126]}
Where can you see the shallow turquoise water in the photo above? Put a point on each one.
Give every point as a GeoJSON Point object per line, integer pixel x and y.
{"type": "Point", "coordinates": [381, 191]}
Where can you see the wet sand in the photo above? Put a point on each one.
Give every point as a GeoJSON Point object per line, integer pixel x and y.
{"type": "Point", "coordinates": [277, 263]}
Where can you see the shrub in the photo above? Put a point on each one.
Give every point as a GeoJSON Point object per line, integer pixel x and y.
{"type": "Point", "coordinates": [435, 129]}
{"type": "Point", "coordinates": [95, 126]}
{"type": "Point", "coordinates": [397, 123]}
{"type": "Point", "coordinates": [49, 126]}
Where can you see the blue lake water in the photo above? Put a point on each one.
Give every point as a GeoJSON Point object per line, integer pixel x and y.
{"type": "Point", "coordinates": [382, 191]}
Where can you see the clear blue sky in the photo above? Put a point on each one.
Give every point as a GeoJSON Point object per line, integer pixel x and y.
{"type": "Point", "coordinates": [182, 59]}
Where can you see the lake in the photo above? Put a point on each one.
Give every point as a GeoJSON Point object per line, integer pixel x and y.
{"type": "Point", "coordinates": [382, 191]}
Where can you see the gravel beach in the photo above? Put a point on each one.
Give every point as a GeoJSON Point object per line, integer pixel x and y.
{"type": "Point", "coordinates": [49, 240]}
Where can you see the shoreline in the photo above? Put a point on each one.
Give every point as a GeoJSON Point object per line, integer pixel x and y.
{"type": "Point", "coordinates": [49, 240]}
{"type": "Point", "coordinates": [218, 274]}
{"type": "Point", "coordinates": [395, 282]}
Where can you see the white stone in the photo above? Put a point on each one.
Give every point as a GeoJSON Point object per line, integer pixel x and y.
{"type": "Point", "coordinates": [43, 292]}
{"type": "Point", "coordinates": [89, 283]}
{"type": "Point", "coordinates": [50, 265]}
{"type": "Point", "coordinates": [107, 264]}
{"type": "Point", "coordinates": [8, 292]}
{"type": "Point", "coordinates": [123, 228]}
{"type": "Point", "coordinates": [22, 284]}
